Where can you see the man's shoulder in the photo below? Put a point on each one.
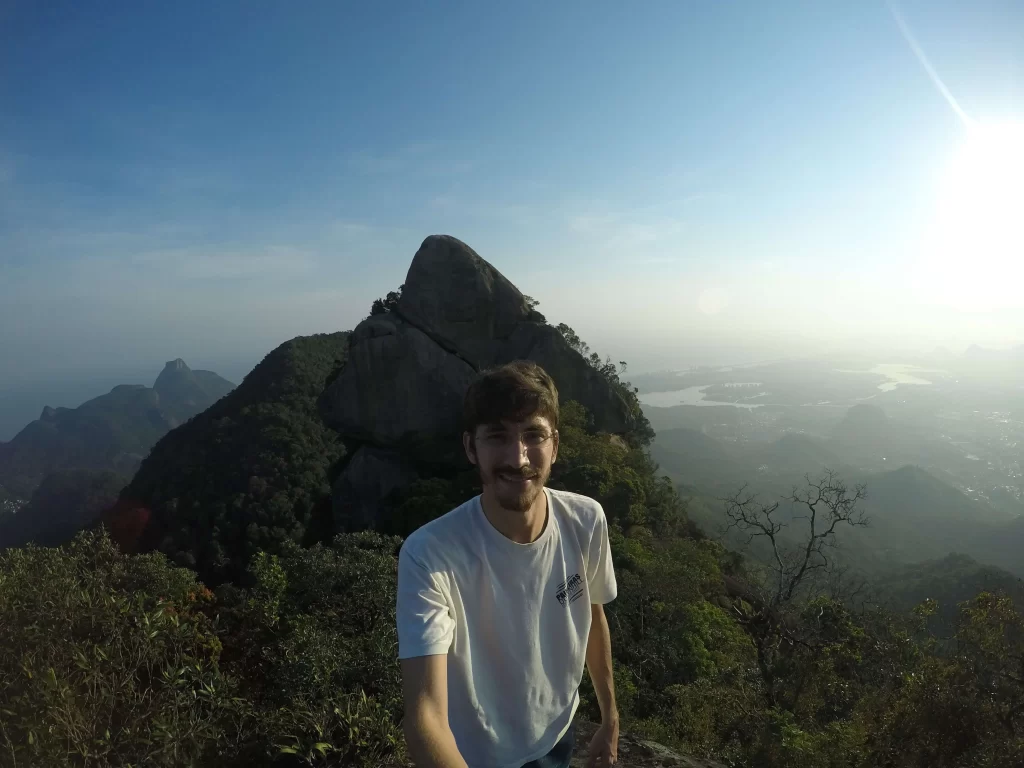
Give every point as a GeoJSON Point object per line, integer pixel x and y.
{"type": "Point", "coordinates": [427, 539]}
{"type": "Point", "coordinates": [583, 510]}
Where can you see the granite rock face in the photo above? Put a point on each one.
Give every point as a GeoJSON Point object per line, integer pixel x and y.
{"type": "Point", "coordinates": [400, 390]}
{"type": "Point", "coordinates": [408, 369]}
{"type": "Point", "coordinates": [371, 475]}
{"type": "Point", "coordinates": [461, 301]}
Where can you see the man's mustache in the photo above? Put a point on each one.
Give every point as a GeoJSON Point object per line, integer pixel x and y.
{"type": "Point", "coordinates": [517, 472]}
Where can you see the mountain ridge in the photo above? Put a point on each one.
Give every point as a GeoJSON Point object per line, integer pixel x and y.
{"type": "Point", "coordinates": [112, 432]}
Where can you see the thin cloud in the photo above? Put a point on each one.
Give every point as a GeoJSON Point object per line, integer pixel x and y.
{"type": "Point", "coordinates": [419, 158]}
{"type": "Point", "coordinates": [625, 230]}
{"type": "Point", "coordinates": [204, 263]}
{"type": "Point", "coordinates": [520, 213]}
{"type": "Point", "coordinates": [588, 224]}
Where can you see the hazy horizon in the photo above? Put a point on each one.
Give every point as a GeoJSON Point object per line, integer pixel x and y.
{"type": "Point", "coordinates": [683, 184]}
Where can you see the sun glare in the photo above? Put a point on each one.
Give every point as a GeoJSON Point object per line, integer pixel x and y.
{"type": "Point", "coordinates": [976, 244]}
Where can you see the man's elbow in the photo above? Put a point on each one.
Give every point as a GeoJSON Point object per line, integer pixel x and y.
{"type": "Point", "coordinates": [424, 728]}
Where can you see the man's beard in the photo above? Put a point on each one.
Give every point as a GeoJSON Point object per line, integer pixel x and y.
{"type": "Point", "coordinates": [511, 498]}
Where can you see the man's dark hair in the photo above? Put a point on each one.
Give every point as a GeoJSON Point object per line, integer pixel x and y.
{"type": "Point", "coordinates": [511, 392]}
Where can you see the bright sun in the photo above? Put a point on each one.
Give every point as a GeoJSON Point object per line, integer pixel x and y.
{"type": "Point", "coordinates": [976, 245]}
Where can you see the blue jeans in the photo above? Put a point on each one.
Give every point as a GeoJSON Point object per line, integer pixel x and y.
{"type": "Point", "coordinates": [560, 754]}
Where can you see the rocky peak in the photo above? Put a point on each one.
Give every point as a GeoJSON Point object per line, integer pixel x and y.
{"type": "Point", "coordinates": [174, 371]}
{"type": "Point", "coordinates": [460, 300]}
{"type": "Point", "coordinates": [400, 395]}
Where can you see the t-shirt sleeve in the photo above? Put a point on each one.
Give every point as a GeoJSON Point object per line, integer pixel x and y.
{"type": "Point", "coordinates": [600, 573]}
{"type": "Point", "coordinates": [425, 626]}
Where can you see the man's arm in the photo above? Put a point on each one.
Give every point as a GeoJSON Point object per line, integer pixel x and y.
{"type": "Point", "coordinates": [427, 733]}
{"type": "Point", "coordinates": [599, 665]}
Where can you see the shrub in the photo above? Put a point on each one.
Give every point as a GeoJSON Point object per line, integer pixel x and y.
{"type": "Point", "coordinates": [107, 660]}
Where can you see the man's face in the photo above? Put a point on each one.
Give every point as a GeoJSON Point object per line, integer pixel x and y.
{"type": "Point", "coordinates": [514, 459]}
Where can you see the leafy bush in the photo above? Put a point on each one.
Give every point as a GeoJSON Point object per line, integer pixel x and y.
{"type": "Point", "coordinates": [107, 660]}
{"type": "Point", "coordinates": [622, 477]}
{"type": "Point", "coordinates": [388, 303]}
{"type": "Point", "coordinates": [111, 659]}
{"type": "Point", "coordinates": [315, 647]}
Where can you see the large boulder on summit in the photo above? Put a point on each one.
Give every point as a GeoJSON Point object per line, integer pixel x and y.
{"type": "Point", "coordinates": [461, 301]}
{"type": "Point", "coordinates": [371, 476]}
{"type": "Point", "coordinates": [399, 390]}
{"type": "Point", "coordinates": [408, 370]}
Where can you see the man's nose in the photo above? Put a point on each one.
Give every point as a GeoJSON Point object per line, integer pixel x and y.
{"type": "Point", "coordinates": [515, 453]}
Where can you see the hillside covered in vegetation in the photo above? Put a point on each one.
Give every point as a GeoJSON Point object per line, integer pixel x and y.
{"type": "Point", "coordinates": [241, 609]}
{"type": "Point", "coordinates": [246, 475]}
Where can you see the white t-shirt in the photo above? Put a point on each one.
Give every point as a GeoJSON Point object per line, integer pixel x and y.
{"type": "Point", "coordinates": [514, 620]}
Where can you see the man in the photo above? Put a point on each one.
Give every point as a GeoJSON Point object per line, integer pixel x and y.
{"type": "Point", "coordinates": [500, 601]}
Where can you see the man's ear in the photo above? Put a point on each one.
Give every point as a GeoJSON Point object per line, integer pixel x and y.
{"type": "Point", "coordinates": [554, 447]}
{"type": "Point", "coordinates": [469, 444]}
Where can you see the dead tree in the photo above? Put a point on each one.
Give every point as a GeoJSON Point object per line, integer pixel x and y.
{"type": "Point", "coordinates": [794, 562]}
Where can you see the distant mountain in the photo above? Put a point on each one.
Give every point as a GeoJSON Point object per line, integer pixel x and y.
{"type": "Point", "coordinates": [691, 457]}
{"type": "Point", "coordinates": [864, 427]}
{"type": "Point", "coordinates": [918, 497]}
{"type": "Point", "coordinates": [868, 439]}
{"type": "Point", "coordinates": [1002, 546]}
{"type": "Point", "coordinates": [914, 516]}
{"type": "Point", "coordinates": [949, 581]}
{"type": "Point", "coordinates": [185, 392]}
{"type": "Point", "coordinates": [796, 454]}
{"type": "Point", "coordinates": [112, 432]}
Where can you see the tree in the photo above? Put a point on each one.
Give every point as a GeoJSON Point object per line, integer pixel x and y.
{"type": "Point", "coordinates": [643, 433]}
{"type": "Point", "coordinates": [573, 340]}
{"type": "Point", "coordinates": [766, 613]}
{"type": "Point", "coordinates": [388, 303]}
{"type": "Point", "coordinates": [828, 502]}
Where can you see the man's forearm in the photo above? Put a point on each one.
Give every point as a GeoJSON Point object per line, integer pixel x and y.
{"type": "Point", "coordinates": [599, 665]}
{"type": "Point", "coordinates": [432, 745]}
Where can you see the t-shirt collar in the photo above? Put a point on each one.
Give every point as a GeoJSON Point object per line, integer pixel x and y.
{"type": "Point", "coordinates": [501, 540]}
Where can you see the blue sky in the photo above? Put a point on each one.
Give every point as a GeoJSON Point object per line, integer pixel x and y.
{"type": "Point", "coordinates": [679, 181]}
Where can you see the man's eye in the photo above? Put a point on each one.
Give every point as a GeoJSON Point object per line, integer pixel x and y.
{"type": "Point", "coordinates": [534, 438]}
{"type": "Point", "coordinates": [494, 439]}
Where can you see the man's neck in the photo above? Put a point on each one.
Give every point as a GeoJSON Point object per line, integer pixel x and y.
{"type": "Point", "coordinates": [521, 527]}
